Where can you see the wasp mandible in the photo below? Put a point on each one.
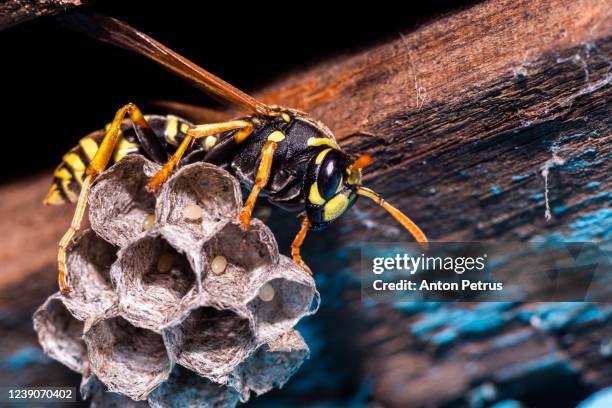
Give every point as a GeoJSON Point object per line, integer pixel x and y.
{"type": "Point", "coordinates": [283, 152]}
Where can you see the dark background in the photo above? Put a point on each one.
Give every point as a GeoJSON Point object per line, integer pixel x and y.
{"type": "Point", "coordinates": [58, 85]}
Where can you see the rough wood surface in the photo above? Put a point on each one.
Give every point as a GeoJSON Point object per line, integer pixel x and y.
{"type": "Point", "coordinates": [14, 12]}
{"type": "Point", "coordinates": [454, 110]}
{"type": "Point", "coordinates": [464, 115]}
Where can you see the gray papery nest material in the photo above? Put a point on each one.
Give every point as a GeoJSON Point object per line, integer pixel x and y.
{"type": "Point", "coordinates": [147, 332]}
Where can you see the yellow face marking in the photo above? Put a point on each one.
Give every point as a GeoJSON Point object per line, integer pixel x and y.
{"type": "Point", "coordinates": [321, 141]}
{"type": "Point", "coordinates": [276, 136]}
{"type": "Point", "coordinates": [209, 142]}
{"type": "Point", "coordinates": [171, 130]}
{"type": "Point", "coordinates": [354, 176]}
{"type": "Point", "coordinates": [124, 147]}
{"type": "Point", "coordinates": [322, 155]}
{"type": "Point", "coordinates": [335, 207]}
{"type": "Point", "coordinates": [184, 128]}
{"type": "Point", "coordinates": [314, 196]}
{"type": "Point", "coordinates": [286, 117]}
{"type": "Point", "coordinates": [89, 146]}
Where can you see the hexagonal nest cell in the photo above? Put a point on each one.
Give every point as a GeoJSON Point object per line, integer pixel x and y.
{"type": "Point", "coordinates": [152, 278]}
{"type": "Point", "coordinates": [59, 333]}
{"type": "Point", "coordinates": [274, 363]}
{"type": "Point", "coordinates": [88, 263]}
{"type": "Point", "coordinates": [127, 359]}
{"type": "Point", "coordinates": [204, 186]}
{"type": "Point", "coordinates": [120, 200]}
{"type": "Point", "coordinates": [294, 296]}
{"type": "Point", "coordinates": [185, 389]}
{"type": "Point", "coordinates": [247, 255]}
{"type": "Point", "coordinates": [150, 321]}
{"type": "Point", "coordinates": [211, 342]}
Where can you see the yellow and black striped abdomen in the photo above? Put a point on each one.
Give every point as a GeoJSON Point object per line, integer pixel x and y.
{"type": "Point", "coordinates": [69, 175]}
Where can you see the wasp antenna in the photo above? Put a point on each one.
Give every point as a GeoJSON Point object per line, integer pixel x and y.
{"type": "Point", "coordinates": [402, 218]}
{"type": "Point", "coordinates": [361, 162]}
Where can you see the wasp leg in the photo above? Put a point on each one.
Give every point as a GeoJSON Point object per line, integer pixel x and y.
{"type": "Point", "coordinates": [261, 179]}
{"type": "Point", "coordinates": [75, 225]}
{"type": "Point", "coordinates": [96, 166]}
{"type": "Point", "coordinates": [297, 244]}
{"type": "Point", "coordinates": [196, 132]}
{"type": "Point", "coordinates": [103, 154]}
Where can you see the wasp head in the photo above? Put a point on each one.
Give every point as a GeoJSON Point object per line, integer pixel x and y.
{"type": "Point", "coordinates": [333, 183]}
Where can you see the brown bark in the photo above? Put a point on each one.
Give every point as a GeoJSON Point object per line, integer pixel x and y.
{"type": "Point", "coordinates": [459, 106]}
{"type": "Point", "coordinates": [14, 12]}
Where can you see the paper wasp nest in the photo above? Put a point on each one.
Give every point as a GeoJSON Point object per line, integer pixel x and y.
{"type": "Point", "coordinates": [172, 303]}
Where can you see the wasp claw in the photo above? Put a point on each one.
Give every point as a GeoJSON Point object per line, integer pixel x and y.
{"type": "Point", "coordinates": [245, 221]}
{"type": "Point", "coordinates": [65, 290]}
{"type": "Point", "coordinates": [158, 179]}
{"type": "Point", "coordinates": [152, 186]}
{"type": "Point", "coordinates": [305, 267]}
{"type": "Point", "coordinates": [300, 262]}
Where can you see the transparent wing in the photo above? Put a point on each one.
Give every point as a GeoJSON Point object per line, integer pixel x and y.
{"type": "Point", "coordinates": [116, 32]}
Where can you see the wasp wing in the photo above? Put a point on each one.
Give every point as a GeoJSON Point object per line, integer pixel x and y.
{"type": "Point", "coordinates": [116, 32]}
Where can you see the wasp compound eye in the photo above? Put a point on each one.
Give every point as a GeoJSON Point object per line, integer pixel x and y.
{"type": "Point", "coordinates": [324, 176]}
{"type": "Point", "coordinates": [329, 177]}
{"type": "Point", "coordinates": [324, 187]}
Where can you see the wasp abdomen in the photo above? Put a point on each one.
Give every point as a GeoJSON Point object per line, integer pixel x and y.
{"type": "Point", "coordinates": [69, 175]}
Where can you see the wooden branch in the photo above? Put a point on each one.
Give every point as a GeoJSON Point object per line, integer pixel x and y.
{"type": "Point", "coordinates": [478, 121]}
{"type": "Point", "coordinates": [462, 114]}
{"type": "Point", "coordinates": [14, 12]}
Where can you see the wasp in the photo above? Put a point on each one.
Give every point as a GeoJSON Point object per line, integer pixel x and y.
{"type": "Point", "coordinates": [283, 153]}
